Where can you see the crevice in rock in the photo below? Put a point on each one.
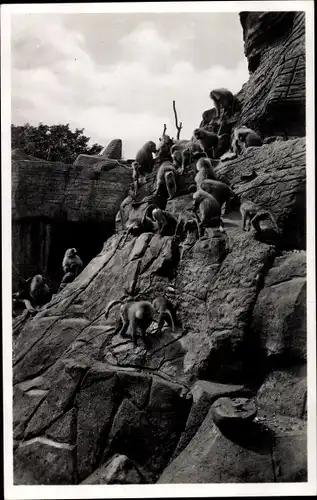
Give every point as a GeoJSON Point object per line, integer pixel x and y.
{"type": "Point", "coordinates": [68, 406]}
{"type": "Point", "coordinates": [275, 468]}
{"type": "Point", "coordinates": [253, 357]}
{"type": "Point", "coordinates": [28, 419]}
{"type": "Point", "coordinates": [105, 433]}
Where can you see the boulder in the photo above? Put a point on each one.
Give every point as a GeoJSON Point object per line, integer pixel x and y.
{"type": "Point", "coordinates": [284, 392]}
{"type": "Point", "coordinates": [229, 412]}
{"type": "Point", "coordinates": [279, 316]}
{"type": "Point", "coordinates": [211, 457]}
{"type": "Point", "coordinates": [113, 150]}
{"type": "Point", "coordinates": [43, 461]}
{"type": "Point", "coordinates": [258, 454]}
{"type": "Point", "coordinates": [204, 394]}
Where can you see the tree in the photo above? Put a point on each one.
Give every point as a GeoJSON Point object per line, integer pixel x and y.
{"type": "Point", "coordinates": [54, 143]}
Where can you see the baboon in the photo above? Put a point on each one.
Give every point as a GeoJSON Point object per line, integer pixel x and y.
{"type": "Point", "coordinates": [138, 315]}
{"type": "Point", "coordinates": [134, 316]}
{"type": "Point", "coordinates": [224, 102]}
{"type": "Point", "coordinates": [135, 176]}
{"type": "Point", "coordinates": [224, 143]}
{"type": "Point", "coordinates": [148, 223]}
{"type": "Point", "coordinates": [185, 225]}
{"type": "Point", "coordinates": [253, 214]}
{"type": "Point", "coordinates": [166, 177]}
{"type": "Point", "coordinates": [72, 263]}
{"type": "Point", "coordinates": [144, 157]}
{"type": "Point", "coordinates": [35, 293]}
{"type": "Point", "coordinates": [208, 116]}
{"type": "Point", "coordinates": [205, 170]}
{"type": "Point", "coordinates": [185, 159]}
{"type": "Point", "coordinates": [177, 158]}
{"type": "Point", "coordinates": [180, 145]}
{"type": "Point", "coordinates": [244, 137]}
{"type": "Point", "coordinates": [209, 208]}
{"type": "Point", "coordinates": [39, 291]}
{"type": "Point", "coordinates": [144, 225]}
{"type": "Point", "coordinates": [170, 183]}
{"type": "Point", "coordinates": [221, 191]}
{"type": "Point", "coordinates": [166, 221]}
{"type": "Point", "coordinates": [208, 141]}
{"type": "Point", "coordinates": [185, 153]}
{"type": "Point", "coordinates": [162, 306]}
{"type": "Point", "coordinates": [164, 148]}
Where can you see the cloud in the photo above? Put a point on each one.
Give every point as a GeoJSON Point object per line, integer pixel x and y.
{"type": "Point", "coordinates": [146, 45]}
{"type": "Point", "coordinates": [55, 79]}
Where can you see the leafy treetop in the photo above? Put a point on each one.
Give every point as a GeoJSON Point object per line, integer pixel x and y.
{"type": "Point", "coordinates": [53, 143]}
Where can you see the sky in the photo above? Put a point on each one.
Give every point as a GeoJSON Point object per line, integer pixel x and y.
{"type": "Point", "coordinates": [116, 75]}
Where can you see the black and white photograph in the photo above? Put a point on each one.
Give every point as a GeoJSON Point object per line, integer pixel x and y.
{"type": "Point", "coordinates": [158, 215]}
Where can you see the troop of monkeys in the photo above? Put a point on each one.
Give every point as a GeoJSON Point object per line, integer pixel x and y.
{"type": "Point", "coordinates": [209, 193]}
{"type": "Point", "coordinates": [35, 292]}
{"type": "Point", "coordinates": [204, 142]}
{"type": "Point", "coordinates": [209, 196]}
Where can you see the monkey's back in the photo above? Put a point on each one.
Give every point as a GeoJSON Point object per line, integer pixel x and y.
{"type": "Point", "coordinates": [144, 157]}
{"type": "Point", "coordinates": [206, 173]}
{"type": "Point", "coordinates": [218, 189]}
{"type": "Point", "coordinates": [249, 207]}
{"type": "Point", "coordinates": [143, 310]}
{"type": "Point", "coordinates": [164, 169]}
{"type": "Point", "coordinates": [210, 207]}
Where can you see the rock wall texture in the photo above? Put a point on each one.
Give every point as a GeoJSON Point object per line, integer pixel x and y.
{"type": "Point", "coordinates": [274, 96]}
{"type": "Point", "coordinates": [222, 398]}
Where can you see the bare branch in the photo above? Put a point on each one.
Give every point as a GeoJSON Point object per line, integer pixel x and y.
{"type": "Point", "coordinates": [164, 129]}
{"type": "Point", "coordinates": [180, 126]}
{"type": "Point", "coordinates": [179, 130]}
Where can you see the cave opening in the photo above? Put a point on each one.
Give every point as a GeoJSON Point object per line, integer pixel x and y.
{"type": "Point", "coordinates": [87, 237]}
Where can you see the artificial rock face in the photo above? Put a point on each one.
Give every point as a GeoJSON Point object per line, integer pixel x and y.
{"type": "Point", "coordinates": [274, 44]}
{"type": "Point", "coordinates": [100, 410]}
{"type": "Point", "coordinates": [57, 206]}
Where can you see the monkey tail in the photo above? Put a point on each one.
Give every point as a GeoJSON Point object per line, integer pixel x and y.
{"type": "Point", "coordinates": [111, 304]}
{"type": "Point", "coordinates": [168, 312]}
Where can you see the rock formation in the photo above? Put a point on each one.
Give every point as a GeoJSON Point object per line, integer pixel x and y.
{"type": "Point", "coordinates": [223, 397]}
{"type": "Point", "coordinates": [57, 206]}
{"type": "Point", "coordinates": [113, 150]}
